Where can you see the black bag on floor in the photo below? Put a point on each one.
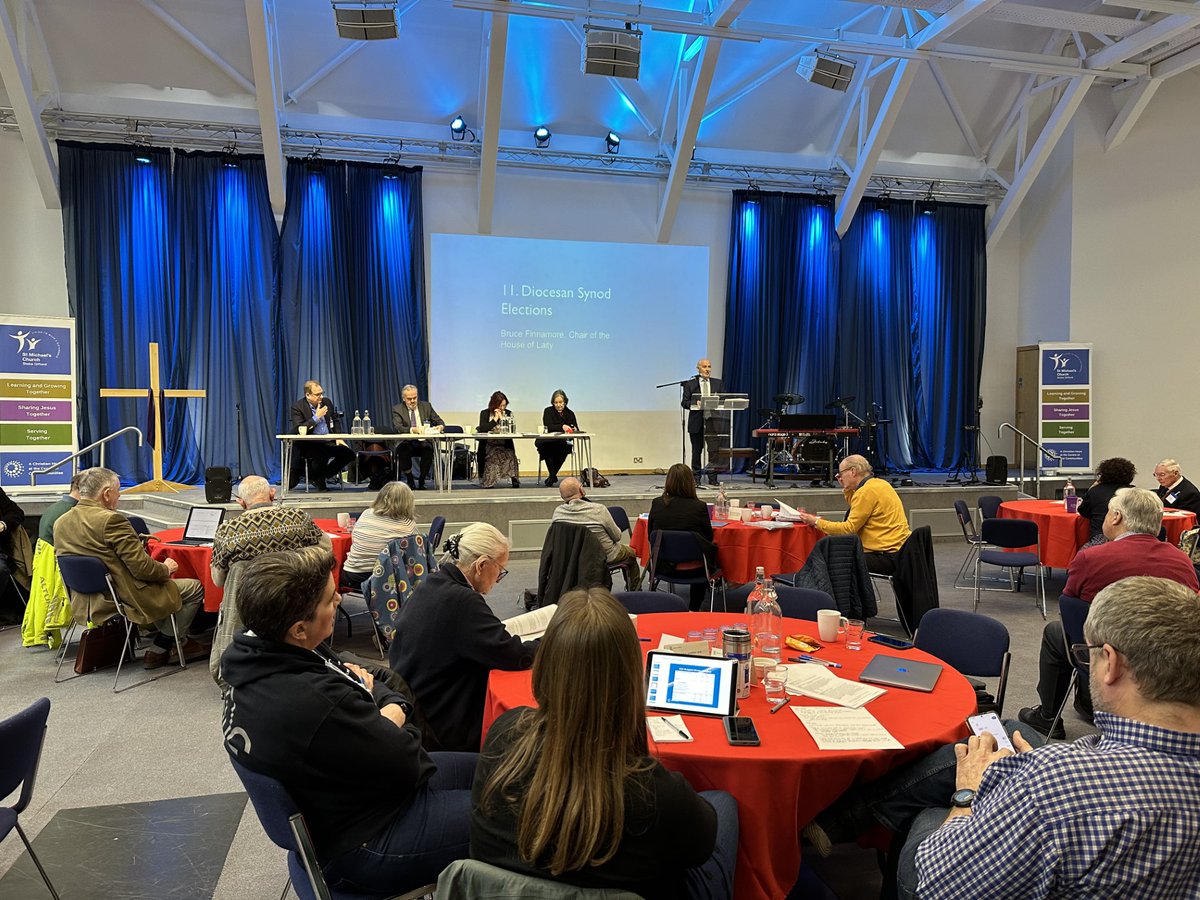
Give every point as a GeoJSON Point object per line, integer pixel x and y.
{"type": "Point", "coordinates": [593, 478]}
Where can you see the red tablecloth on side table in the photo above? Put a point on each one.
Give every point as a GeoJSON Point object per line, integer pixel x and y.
{"type": "Point", "coordinates": [741, 547]}
{"type": "Point", "coordinates": [1061, 534]}
{"type": "Point", "coordinates": [195, 562]}
{"type": "Point", "coordinates": [781, 785]}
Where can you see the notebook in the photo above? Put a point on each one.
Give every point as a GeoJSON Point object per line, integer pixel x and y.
{"type": "Point", "coordinates": [894, 671]}
{"type": "Point", "coordinates": [691, 685]}
{"type": "Point", "coordinates": [201, 526]}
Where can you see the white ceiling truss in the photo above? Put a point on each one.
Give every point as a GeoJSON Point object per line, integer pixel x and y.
{"type": "Point", "coordinates": [968, 97]}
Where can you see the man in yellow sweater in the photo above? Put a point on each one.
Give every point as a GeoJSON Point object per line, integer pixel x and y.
{"type": "Point", "coordinates": [876, 515]}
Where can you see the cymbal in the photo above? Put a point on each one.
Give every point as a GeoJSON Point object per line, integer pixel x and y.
{"type": "Point", "coordinates": [840, 401]}
{"type": "Point", "coordinates": [788, 399]}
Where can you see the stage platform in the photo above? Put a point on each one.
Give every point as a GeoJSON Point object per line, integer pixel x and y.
{"type": "Point", "coordinates": [524, 513]}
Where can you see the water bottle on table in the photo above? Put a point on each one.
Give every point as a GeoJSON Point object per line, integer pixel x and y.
{"type": "Point", "coordinates": [356, 425]}
{"type": "Point", "coordinates": [766, 625]}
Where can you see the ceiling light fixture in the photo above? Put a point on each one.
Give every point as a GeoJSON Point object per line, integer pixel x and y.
{"type": "Point", "coordinates": [612, 142]}
{"type": "Point", "coordinates": [541, 136]}
{"type": "Point", "coordinates": [928, 204]}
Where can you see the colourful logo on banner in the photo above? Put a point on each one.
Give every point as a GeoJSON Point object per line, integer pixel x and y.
{"type": "Point", "coordinates": [1064, 366]}
{"type": "Point", "coordinates": [26, 349]}
{"type": "Point", "coordinates": [1074, 455]}
{"type": "Point", "coordinates": [15, 469]}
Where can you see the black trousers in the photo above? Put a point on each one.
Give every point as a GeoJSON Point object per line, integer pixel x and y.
{"type": "Point", "coordinates": [325, 460]}
{"type": "Point", "coordinates": [407, 451]}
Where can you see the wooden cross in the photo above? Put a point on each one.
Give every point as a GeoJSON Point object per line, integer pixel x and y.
{"type": "Point", "coordinates": [157, 483]}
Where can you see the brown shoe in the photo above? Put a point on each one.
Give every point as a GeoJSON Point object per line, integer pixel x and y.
{"type": "Point", "coordinates": [156, 659]}
{"type": "Point", "coordinates": [193, 651]}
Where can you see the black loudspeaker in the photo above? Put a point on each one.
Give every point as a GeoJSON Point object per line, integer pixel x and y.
{"type": "Point", "coordinates": [997, 470]}
{"type": "Point", "coordinates": [218, 484]}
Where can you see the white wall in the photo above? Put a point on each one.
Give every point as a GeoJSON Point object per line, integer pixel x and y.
{"type": "Point", "coordinates": [31, 240]}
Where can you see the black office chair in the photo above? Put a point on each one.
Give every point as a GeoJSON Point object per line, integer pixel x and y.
{"type": "Point", "coordinates": [21, 740]}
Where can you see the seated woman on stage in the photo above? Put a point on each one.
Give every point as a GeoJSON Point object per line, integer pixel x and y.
{"type": "Point", "coordinates": [567, 789]}
{"type": "Point", "coordinates": [679, 509]}
{"type": "Point", "coordinates": [448, 640]}
{"type": "Point", "coordinates": [557, 419]}
{"type": "Point", "coordinates": [1111, 475]}
{"type": "Point", "coordinates": [390, 516]}
{"type": "Point", "coordinates": [497, 459]}
{"type": "Point", "coordinates": [385, 816]}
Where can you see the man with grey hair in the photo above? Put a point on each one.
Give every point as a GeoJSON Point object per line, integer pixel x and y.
{"type": "Point", "coordinates": [577, 509]}
{"type": "Point", "coordinates": [876, 515]}
{"type": "Point", "coordinates": [1173, 489]}
{"type": "Point", "coordinates": [1110, 815]}
{"type": "Point", "coordinates": [413, 416]}
{"type": "Point", "coordinates": [1131, 526]}
{"type": "Point", "coordinates": [262, 528]}
{"type": "Point", "coordinates": [93, 527]}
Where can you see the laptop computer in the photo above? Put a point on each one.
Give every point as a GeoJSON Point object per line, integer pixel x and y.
{"type": "Point", "coordinates": [201, 526]}
{"type": "Point", "coordinates": [895, 671]}
{"type": "Point", "coordinates": [691, 685]}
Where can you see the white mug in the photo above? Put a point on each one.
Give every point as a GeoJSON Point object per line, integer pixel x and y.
{"type": "Point", "coordinates": [343, 520]}
{"type": "Point", "coordinates": [302, 430]}
{"type": "Point", "coordinates": [829, 623]}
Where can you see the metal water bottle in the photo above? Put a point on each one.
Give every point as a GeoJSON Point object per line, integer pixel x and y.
{"type": "Point", "coordinates": [737, 646]}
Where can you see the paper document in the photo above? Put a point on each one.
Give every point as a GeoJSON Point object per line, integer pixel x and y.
{"type": "Point", "coordinates": [668, 729]}
{"type": "Point", "coordinates": [770, 525]}
{"type": "Point", "coordinates": [833, 728]}
{"type": "Point", "coordinates": [786, 510]}
{"type": "Point", "coordinates": [531, 625]}
{"type": "Point", "coordinates": [820, 683]}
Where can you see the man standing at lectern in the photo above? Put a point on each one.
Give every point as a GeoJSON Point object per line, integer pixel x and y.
{"type": "Point", "coordinates": [316, 414]}
{"type": "Point", "coordinates": [413, 416]}
{"type": "Point", "coordinates": [702, 428]}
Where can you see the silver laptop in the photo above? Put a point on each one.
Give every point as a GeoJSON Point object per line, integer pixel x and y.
{"type": "Point", "coordinates": [201, 526]}
{"type": "Point", "coordinates": [896, 671]}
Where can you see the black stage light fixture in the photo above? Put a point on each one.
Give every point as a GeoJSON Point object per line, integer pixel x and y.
{"type": "Point", "coordinates": [541, 136]}
{"type": "Point", "coordinates": [612, 142]}
{"type": "Point", "coordinates": [928, 204]}
{"type": "Point", "coordinates": [458, 128]}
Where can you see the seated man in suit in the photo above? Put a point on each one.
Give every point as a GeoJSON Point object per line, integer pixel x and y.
{"type": "Point", "coordinates": [413, 416]}
{"type": "Point", "coordinates": [703, 428]}
{"type": "Point", "coordinates": [93, 527]}
{"type": "Point", "coordinates": [1131, 527]}
{"type": "Point", "coordinates": [577, 509]}
{"type": "Point", "coordinates": [316, 414]}
{"type": "Point", "coordinates": [1173, 489]}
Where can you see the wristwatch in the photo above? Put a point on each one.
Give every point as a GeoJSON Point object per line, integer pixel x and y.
{"type": "Point", "coordinates": [962, 799]}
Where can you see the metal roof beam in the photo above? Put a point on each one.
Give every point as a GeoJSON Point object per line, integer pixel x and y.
{"type": "Point", "coordinates": [858, 84]}
{"type": "Point", "coordinates": [496, 47]}
{"type": "Point", "coordinates": [48, 79]}
{"type": "Point", "coordinates": [323, 71]}
{"type": "Point", "coordinates": [199, 46]}
{"type": "Point", "coordinates": [19, 86]}
{"type": "Point", "coordinates": [960, 118]}
{"type": "Point", "coordinates": [1139, 41]}
{"type": "Point", "coordinates": [1135, 105]}
{"type": "Point", "coordinates": [959, 17]}
{"type": "Point", "coordinates": [1180, 62]}
{"type": "Point", "coordinates": [268, 91]}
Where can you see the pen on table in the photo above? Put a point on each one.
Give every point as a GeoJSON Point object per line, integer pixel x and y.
{"type": "Point", "coordinates": [812, 659]}
{"type": "Point", "coordinates": [647, 640]}
{"type": "Point", "coordinates": [679, 731]}
{"type": "Point", "coordinates": [778, 705]}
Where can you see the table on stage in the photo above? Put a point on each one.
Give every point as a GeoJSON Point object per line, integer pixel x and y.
{"type": "Point", "coordinates": [781, 785]}
{"type": "Point", "coordinates": [742, 547]}
{"type": "Point", "coordinates": [443, 460]}
{"type": "Point", "coordinates": [1061, 534]}
{"type": "Point", "coordinates": [195, 562]}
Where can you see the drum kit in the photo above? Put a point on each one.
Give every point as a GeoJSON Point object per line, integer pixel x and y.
{"type": "Point", "coordinates": [803, 453]}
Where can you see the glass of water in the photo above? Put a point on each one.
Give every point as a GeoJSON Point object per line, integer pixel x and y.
{"type": "Point", "coordinates": [775, 683]}
{"type": "Point", "coordinates": [854, 634]}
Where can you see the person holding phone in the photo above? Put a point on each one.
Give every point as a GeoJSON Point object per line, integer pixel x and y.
{"type": "Point", "coordinates": [567, 790]}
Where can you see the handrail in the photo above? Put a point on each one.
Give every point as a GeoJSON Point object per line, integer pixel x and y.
{"type": "Point", "coordinates": [88, 449]}
{"type": "Point", "coordinates": [1037, 470]}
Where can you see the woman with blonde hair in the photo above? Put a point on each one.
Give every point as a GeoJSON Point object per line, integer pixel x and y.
{"type": "Point", "coordinates": [389, 517]}
{"type": "Point", "coordinates": [566, 790]}
{"type": "Point", "coordinates": [448, 639]}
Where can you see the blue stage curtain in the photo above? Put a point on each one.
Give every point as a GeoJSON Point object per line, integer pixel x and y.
{"type": "Point", "coordinates": [225, 243]}
{"type": "Point", "coordinates": [780, 314]}
{"type": "Point", "coordinates": [116, 236]}
{"type": "Point", "coordinates": [351, 309]}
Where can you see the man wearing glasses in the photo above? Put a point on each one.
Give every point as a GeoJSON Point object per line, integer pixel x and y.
{"type": "Point", "coordinates": [876, 515]}
{"type": "Point", "coordinates": [1131, 525]}
{"type": "Point", "coordinates": [314, 413]}
{"type": "Point", "coordinates": [1110, 815]}
{"type": "Point", "coordinates": [1174, 490]}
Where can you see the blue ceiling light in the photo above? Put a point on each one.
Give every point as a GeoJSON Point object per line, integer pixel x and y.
{"type": "Point", "coordinates": [541, 136]}
{"type": "Point", "coordinates": [612, 142]}
{"type": "Point", "coordinates": [458, 128]}
{"type": "Point", "coordinates": [143, 158]}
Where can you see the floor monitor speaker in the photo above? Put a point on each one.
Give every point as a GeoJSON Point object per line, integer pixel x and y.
{"type": "Point", "coordinates": [218, 484]}
{"type": "Point", "coordinates": [997, 470]}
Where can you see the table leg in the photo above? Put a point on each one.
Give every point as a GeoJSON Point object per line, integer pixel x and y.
{"type": "Point", "coordinates": [285, 458]}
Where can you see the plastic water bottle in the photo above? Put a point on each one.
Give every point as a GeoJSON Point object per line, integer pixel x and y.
{"type": "Point", "coordinates": [1070, 499]}
{"type": "Point", "coordinates": [756, 594]}
{"type": "Point", "coordinates": [766, 625]}
{"type": "Point", "coordinates": [721, 509]}
{"type": "Point", "coordinates": [367, 427]}
{"type": "Point", "coordinates": [512, 424]}
{"type": "Point", "coordinates": [356, 425]}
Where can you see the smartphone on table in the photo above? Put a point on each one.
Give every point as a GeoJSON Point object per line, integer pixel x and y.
{"type": "Point", "coordinates": [740, 731]}
{"type": "Point", "coordinates": [888, 641]}
{"type": "Point", "coordinates": [990, 723]}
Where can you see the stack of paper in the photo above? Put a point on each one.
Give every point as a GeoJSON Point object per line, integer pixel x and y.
{"type": "Point", "coordinates": [531, 625]}
{"type": "Point", "coordinates": [787, 513]}
{"type": "Point", "coordinates": [845, 729]}
{"type": "Point", "coordinates": [820, 683]}
{"type": "Point", "coordinates": [668, 729]}
{"type": "Point", "coordinates": [769, 524]}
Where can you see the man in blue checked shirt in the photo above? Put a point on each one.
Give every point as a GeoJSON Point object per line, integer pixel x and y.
{"type": "Point", "coordinates": [1115, 814]}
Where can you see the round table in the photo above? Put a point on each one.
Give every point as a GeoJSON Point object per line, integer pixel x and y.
{"type": "Point", "coordinates": [742, 547]}
{"type": "Point", "coordinates": [1061, 534]}
{"type": "Point", "coordinates": [781, 785]}
{"type": "Point", "coordinates": [195, 562]}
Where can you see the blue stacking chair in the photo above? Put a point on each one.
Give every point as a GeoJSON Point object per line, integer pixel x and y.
{"type": "Point", "coordinates": [1073, 613]}
{"type": "Point", "coordinates": [638, 602]}
{"type": "Point", "coordinates": [681, 548]}
{"type": "Point", "coordinates": [973, 644]}
{"type": "Point", "coordinates": [21, 740]}
{"type": "Point", "coordinates": [1008, 535]}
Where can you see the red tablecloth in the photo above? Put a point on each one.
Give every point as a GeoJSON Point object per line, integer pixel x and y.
{"type": "Point", "coordinates": [1061, 534]}
{"type": "Point", "coordinates": [781, 785]}
{"type": "Point", "coordinates": [741, 547]}
{"type": "Point", "coordinates": [195, 562]}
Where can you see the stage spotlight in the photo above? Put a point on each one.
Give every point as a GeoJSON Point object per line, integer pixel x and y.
{"type": "Point", "coordinates": [143, 159]}
{"type": "Point", "coordinates": [541, 136]}
{"type": "Point", "coordinates": [927, 205]}
{"type": "Point", "coordinates": [612, 142]}
{"type": "Point", "coordinates": [458, 128]}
